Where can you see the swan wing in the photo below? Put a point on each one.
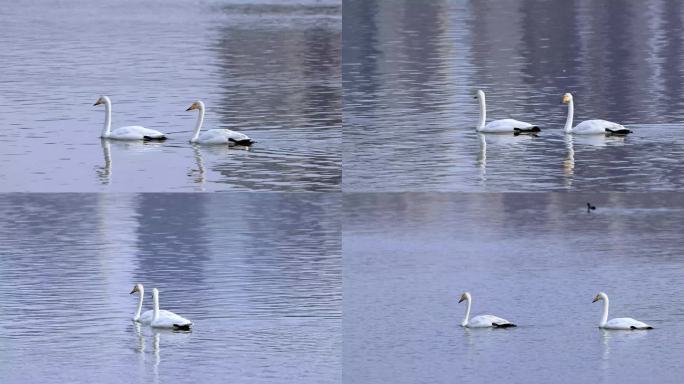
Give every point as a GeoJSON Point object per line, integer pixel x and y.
{"type": "Point", "coordinates": [213, 137]}
{"type": "Point", "coordinates": [597, 127]}
{"type": "Point", "coordinates": [486, 321]}
{"type": "Point", "coordinates": [626, 323]}
{"type": "Point", "coordinates": [168, 319]}
{"type": "Point", "coordinates": [507, 125]}
{"type": "Point", "coordinates": [136, 132]}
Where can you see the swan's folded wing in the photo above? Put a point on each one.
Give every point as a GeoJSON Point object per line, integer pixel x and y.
{"type": "Point", "coordinates": [626, 323]}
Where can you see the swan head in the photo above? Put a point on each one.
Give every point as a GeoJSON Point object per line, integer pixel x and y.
{"type": "Point", "coordinates": [137, 288]}
{"type": "Point", "coordinates": [567, 98]}
{"type": "Point", "coordinates": [102, 100]}
{"type": "Point", "coordinates": [196, 105]}
{"type": "Point", "coordinates": [479, 94]}
{"type": "Point", "coordinates": [464, 296]}
{"type": "Point", "coordinates": [600, 296]}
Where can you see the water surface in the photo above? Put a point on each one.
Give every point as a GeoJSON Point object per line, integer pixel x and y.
{"type": "Point", "coordinates": [259, 275]}
{"type": "Point", "coordinates": [268, 69]}
{"type": "Point", "coordinates": [535, 259]}
{"type": "Point", "coordinates": [410, 71]}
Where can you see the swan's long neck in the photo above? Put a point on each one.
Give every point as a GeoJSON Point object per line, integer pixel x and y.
{"type": "Point", "coordinates": [108, 119]}
{"type": "Point", "coordinates": [483, 113]}
{"type": "Point", "coordinates": [467, 315]}
{"type": "Point", "coordinates": [568, 121]}
{"type": "Point", "coordinates": [198, 127]}
{"type": "Point", "coordinates": [604, 316]}
{"type": "Point", "coordinates": [155, 299]}
{"type": "Point", "coordinates": [140, 303]}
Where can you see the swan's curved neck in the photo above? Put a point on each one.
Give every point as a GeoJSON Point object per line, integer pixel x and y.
{"type": "Point", "coordinates": [155, 299]}
{"type": "Point", "coordinates": [108, 119]}
{"type": "Point", "coordinates": [467, 315]}
{"type": "Point", "coordinates": [604, 315]}
{"type": "Point", "coordinates": [568, 121]}
{"type": "Point", "coordinates": [483, 113]}
{"type": "Point", "coordinates": [140, 303]}
{"type": "Point", "coordinates": [198, 127]}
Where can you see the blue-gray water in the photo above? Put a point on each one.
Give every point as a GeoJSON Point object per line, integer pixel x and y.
{"type": "Point", "coordinates": [410, 69]}
{"type": "Point", "coordinates": [535, 259]}
{"type": "Point", "coordinates": [269, 69]}
{"type": "Point", "coordinates": [259, 275]}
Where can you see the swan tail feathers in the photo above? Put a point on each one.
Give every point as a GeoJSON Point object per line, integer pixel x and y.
{"type": "Point", "coordinates": [158, 138]}
{"type": "Point", "coordinates": [618, 132]}
{"type": "Point", "coordinates": [244, 142]}
{"type": "Point", "coordinates": [505, 325]}
{"type": "Point", "coordinates": [182, 327]}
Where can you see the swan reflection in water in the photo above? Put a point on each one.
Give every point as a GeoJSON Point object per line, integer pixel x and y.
{"type": "Point", "coordinates": [104, 173]}
{"type": "Point", "coordinates": [497, 139]}
{"type": "Point", "coordinates": [597, 141]}
{"type": "Point", "coordinates": [142, 332]}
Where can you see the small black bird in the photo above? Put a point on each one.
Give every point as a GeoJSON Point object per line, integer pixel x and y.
{"type": "Point", "coordinates": [590, 207]}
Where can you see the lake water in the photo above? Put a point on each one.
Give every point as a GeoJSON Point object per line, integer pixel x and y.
{"type": "Point", "coordinates": [410, 70]}
{"type": "Point", "coordinates": [536, 259]}
{"type": "Point", "coordinates": [259, 275]}
{"type": "Point", "coordinates": [268, 69]}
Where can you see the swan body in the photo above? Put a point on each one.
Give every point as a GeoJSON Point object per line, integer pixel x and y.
{"type": "Point", "coordinates": [166, 319]}
{"type": "Point", "coordinates": [503, 125]}
{"type": "Point", "coordinates": [590, 127]}
{"type": "Point", "coordinates": [482, 321]}
{"type": "Point", "coordinates": [215, 136]}
{"type": "Point", "coordinates": [620, 323]}
{"type": "Point", "coordinates": [147, 316]}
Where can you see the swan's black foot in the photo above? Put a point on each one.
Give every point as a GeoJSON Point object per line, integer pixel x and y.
{"type": "Point", "coordinates": [181, 327]}
{"type": "Point", "coordinates": [245, 142]}
{"type": "Point", "coordinates": [617, 132]}
{"type": "Point", "coordinates": [507, 325]}
{"type": "Point", "coordinates": [526, 131]}
{"type": "Point", "coordinates": [150, 138]}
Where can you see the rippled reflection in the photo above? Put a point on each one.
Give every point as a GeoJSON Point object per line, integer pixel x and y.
{"type": "Point", "coordinates": [536, 259]}
{"type": "Point", "coordinates": [259, 276]}
{"type": "Point", "coordinates": [410, 70]}
{"type": "Point", "coordinates": [270, 70]}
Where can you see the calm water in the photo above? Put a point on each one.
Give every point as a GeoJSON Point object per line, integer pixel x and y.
{"type": "Point", "coordinates": [260, 276]}
{"type": "Point", "coordinates": [536, 259]}
{"type": "Point", "coordinates": [410, 70]}
{"type": "Point", "coordinates": [269, 69]}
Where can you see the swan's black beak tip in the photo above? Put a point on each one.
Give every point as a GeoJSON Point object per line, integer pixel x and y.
{"type": "Point", "coordinates": [189, 109]}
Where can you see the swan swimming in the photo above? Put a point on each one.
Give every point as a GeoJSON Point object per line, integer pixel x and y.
{"type": "Point", "coordinates": [132, 132]}
{"type": "Point", "coordinates": [147, 317]}
{"type": "Point", "coordinates": [590, 127]}
{"type": "Point", "coordinates": [624, 323]}
{"type": "Point", "coordinates": [216, 136]}
{"type": "Point", "coordinates": [482, 321]}
{"type": "Point", "coordinates": [501, 126]}
{"type": "Point", "coordinates": [166, 319]}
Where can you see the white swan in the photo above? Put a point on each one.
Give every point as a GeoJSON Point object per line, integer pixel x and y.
{"type": "Point", "coordinates": [166, 319]}
{"type": "Point", "coordinates": [625, 323]}
{"type": "Point", "coordinates": [482, 321]}
{"type": "Point", "coordinates": [590, 127]}
{"type": "Point", "coordinates": [216, 136]}
{"type": "Point", "coordinates": [133, 132]}
{"type": "Point", "coordinates": [501, 126]}
{"type": "Point", "coordinates": [147, 316]}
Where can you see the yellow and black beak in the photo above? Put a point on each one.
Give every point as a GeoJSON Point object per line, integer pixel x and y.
{"type": "Point", "coordinates": [597, 298]}
{"type": "Point", "coordinates": [190, 108]}
{"type": "Point", "coordinates": [461, 299]}
{"type": "Point", "coordinates": [135, 289]}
